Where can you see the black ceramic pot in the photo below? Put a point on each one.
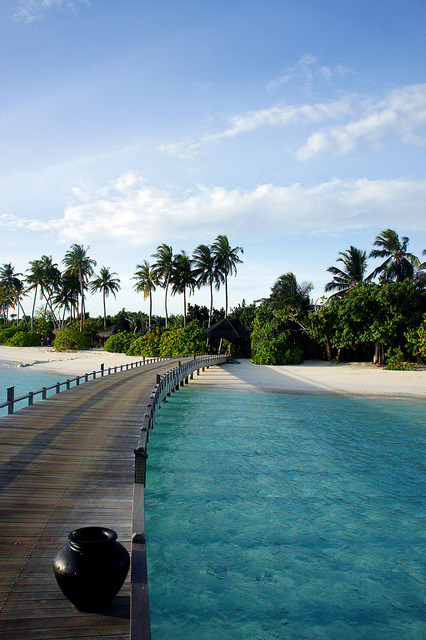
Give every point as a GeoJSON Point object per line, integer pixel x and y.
{"type": "Point", "coordinates": [91, 568]}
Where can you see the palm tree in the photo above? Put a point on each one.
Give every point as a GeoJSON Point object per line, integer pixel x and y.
{"type": "Point", "coordinates": [12, 287]}
{"type": "Point", "coordinates": [354, 267]}
{"type": "Point", "coordinates": [399, 263]}
{"type": "Point", "coordinates": [44, 274]}
{"type": "Point", "coordinates": [205, 271]}
{"type": "Point", "coordinates": [78, 264]}
{"type": "Point", "coordinates": [146, 283]}
{"type": "Point", "coordinates": [106, 283]}
{"type": "Point", "coordinates": [226, 259]}
{"type": "Point", "coordinates": [288, 294]}
{"type": "Point", "coordinates": [182, 278]}
{"type": "Point", "coordinates": [163, 270]}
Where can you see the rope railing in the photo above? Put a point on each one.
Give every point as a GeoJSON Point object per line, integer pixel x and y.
{"type": "Point", "coordinates": [140, 628]}
{"type": "Point", "coordinates": [31, 395]}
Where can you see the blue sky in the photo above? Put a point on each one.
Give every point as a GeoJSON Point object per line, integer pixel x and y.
{"type": "Point", "coordinates": [295, 128]}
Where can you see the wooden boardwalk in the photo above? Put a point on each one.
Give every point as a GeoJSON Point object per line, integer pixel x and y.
{"type": "Point", "coordinates": [67, 462]}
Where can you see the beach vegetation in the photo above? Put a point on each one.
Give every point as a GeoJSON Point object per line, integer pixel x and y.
{"type": "Point", "coordinates": [71, 339]}
{"type": "Point", "coordinates": [416, 341]}
{"type": "Point", "coordinates": [24, 339]}
{"type": "Point", "coordinates": [147, 345]}
{"type": "Point", "coordinates": [206, 272]}
{"type": "Point", "coordinates": [396, 361]}
{"type": "Point", "coordinates": [182, 340]}
{"type": "Point", "coordinates": [120, 342]}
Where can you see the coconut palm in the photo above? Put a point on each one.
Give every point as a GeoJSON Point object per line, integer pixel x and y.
{"type": "Point", "coordinates": [205, 271]}
{"type": "Point", "coordinates": [399, 263]}
{"type": "Point", "coordinates": [288, 294]}
{"type": "Point", "coordinates": [226, 259]}
{"type": "Point", "coordinates": [163, 270]}
{"type": "Point", "coordinates": [182, 278]}
{"type": "Point", "coordinates": [80, 265]}
{"type": "Point", "coordinates": [45, 276]}
{"type": "Point", "coordinates": [146, 283]}
{"type": "Point", "coordinates": [12, 288]}
{"type": "Point", "coordinates": [106, 283]}
{"type": "Point", "coordinates": [354, 267]}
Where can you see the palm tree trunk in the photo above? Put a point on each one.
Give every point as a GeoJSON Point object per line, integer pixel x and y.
{"type": "Point", "coordinates": [165, 302]}
{"type": "Point", "coordinates": [211, 304]}
{"type": "Point", "coordinates": [184, 307]}
{"type": "Point", "coordinates": [33, 309]}
{"type": "Point", "coordinates": [226, 296]}
{"type": "Point", "coordinates": [150, 311]}
{"type": "Point", "coordinates": [104, 297]}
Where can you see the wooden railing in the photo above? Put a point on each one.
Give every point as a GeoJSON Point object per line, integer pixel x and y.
{"type": "Point", "coordinates": [32, 395]}
{"type": "Point", "coordinates": [139, 603]}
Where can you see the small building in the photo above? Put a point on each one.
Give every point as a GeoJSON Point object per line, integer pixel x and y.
{"type": "Point", "coordinates": [104, 334]}
{"type": "Point", "coordinates": [234, 333]}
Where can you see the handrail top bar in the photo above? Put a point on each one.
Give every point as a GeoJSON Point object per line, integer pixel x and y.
{"type": "Point", "coordinates": [146, 360]}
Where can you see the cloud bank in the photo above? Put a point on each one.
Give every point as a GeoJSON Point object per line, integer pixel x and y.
{"type": "Point", "coordinates": [131, 211]}
{"type": "Point", "coordinates": [401, 113]}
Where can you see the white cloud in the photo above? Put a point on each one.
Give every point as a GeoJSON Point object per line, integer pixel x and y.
{"type": "Point", "coordinates": [32, 10]}
{"type": "Point", "coordinates": [277, 116]}
{"type": "Point", "coordinates": [401, 113]}
{"type": "Point", "coordinates": [139, 214]}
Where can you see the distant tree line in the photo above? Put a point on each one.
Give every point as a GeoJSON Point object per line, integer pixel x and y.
{"type": "Point", "coordinates": [362, 319]}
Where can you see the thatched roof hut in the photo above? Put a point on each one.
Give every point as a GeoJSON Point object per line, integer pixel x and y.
{"type": "Point", "coordinates": [104, 334]}
{"type": "Point", "coordinates": [229, 330]}
{"type": "Point", "coordinates": [234, 332]}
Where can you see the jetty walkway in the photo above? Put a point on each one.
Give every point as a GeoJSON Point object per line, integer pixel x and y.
{"type": "Point", "coordinates": [65, 463]}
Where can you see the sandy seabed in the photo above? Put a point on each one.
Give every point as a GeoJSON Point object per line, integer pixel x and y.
{"type": "Point", "coordinates": [311, 377]}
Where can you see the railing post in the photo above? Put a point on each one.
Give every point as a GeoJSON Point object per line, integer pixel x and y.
{"type": "Point", "coordinates": [86, 377]}
{"type": "Point", "coordinates": [30, 398]}
{"type": "Point", "coordinates": [44, 393]}
{"type": "Point", "coordinates": [77, 381]}
{"type": "Point", "coordinates": [58, 387]}
{"type": "Point", "coordinates": [10, 399]}
{"type": "Point", "coordinates": [68, 384]}
{"type": "Point", "coordinates": [102, 369]}
{"type": "Point", "coordinates": [140, 465]}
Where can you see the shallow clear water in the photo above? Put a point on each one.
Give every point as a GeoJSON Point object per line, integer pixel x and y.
{"type": "Point", "coordinates": [24, 379]}
{"type": "Point", "coordinates": [278, 516]}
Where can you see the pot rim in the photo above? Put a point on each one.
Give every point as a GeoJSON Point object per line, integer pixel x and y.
{"type": "Point", "coordinates": [91, 536]}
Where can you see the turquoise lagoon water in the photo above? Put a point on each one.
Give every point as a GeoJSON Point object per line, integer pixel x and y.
{"type": "Point", "coordinates": [24, 379]}
{"type": "Point", "coordinates": [278, 516]}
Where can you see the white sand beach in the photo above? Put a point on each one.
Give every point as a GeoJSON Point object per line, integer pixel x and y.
{"type": "Point", "coordinates": [311, 377]}
{"type": "Point", "coordinates": [315, 377]}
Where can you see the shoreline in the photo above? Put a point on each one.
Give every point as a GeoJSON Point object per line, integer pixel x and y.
{"type": "Point", "coordinates": [313, 377]}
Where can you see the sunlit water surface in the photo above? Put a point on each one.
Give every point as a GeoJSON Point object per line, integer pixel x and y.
{"type": "Point", "coordinates": [24, 379]}
{"type": "Point", "coordinates": [279, 516]}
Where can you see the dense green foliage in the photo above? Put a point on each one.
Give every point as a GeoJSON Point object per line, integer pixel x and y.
{"type": "Point", "coordinates": [183, 340]}
{"type": "Point", "coordinates": [147, 345]}
{"type": "Point", "coordinates": [416, 340]}
{"type": "Point", "coordinates": [71, 339]}
{"type": "Point", "coordinates": [119, 343]}
{"type": "Point", "coordinates": [24, 339]}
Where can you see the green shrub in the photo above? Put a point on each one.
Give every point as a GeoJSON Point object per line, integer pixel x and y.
{"type": "Point", "coordinates": [24, 339]}
{"type": "Point", "coordinates": [70, 339]}
{"type": "Point", "coordinates": [6, 333]}
{"type": "Point", "coordinates": [119, 343]}
{"type": "Point", "coordinates": [416, 339]}
{"type": "Point", "coordinates": [147, 345]}
{"type": "Point", "coordinates": [396, 362]}
{"type": "Point", "coordinates": [183, 340]}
